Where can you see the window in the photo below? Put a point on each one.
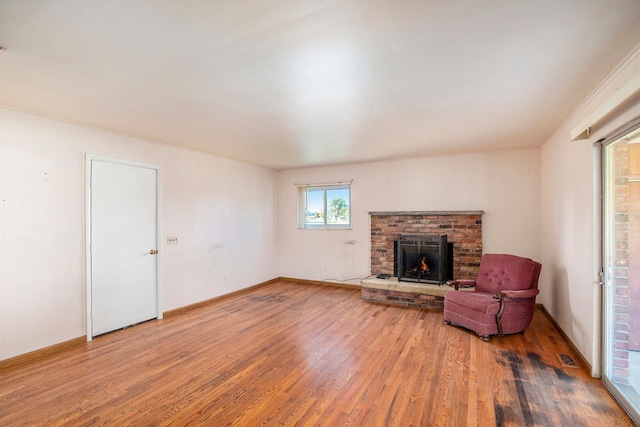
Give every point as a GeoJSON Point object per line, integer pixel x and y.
{"type": "Point", "coordinates": [324, 206]}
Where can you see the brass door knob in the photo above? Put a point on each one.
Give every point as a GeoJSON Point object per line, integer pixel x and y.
{"type": "Point", "coordinates": [153, 252]}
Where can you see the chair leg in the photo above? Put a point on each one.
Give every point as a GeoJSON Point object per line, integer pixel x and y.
{"type": "Point", "coordinates": [484, 337]}
{"type": "Point", "coordinates": [447, 322]}
{"type": "Point", "coordinates": [499, 315]}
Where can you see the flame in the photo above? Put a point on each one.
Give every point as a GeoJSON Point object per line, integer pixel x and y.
{"type": "Point", "coordinates": [422, 266]}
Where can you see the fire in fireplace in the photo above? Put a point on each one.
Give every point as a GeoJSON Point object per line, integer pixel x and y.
{"type": "Point", "coordinates": [424, 258]}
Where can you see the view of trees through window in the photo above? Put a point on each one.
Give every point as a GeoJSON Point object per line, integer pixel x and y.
{"type": "Point", "coordinates": [327, 206]}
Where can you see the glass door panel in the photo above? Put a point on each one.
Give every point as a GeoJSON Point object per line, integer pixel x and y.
{"type": "Point", "coordinates": [621, 264]}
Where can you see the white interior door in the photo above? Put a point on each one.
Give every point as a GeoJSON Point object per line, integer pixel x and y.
{"type": "Point", "coordinates": [123, 246]}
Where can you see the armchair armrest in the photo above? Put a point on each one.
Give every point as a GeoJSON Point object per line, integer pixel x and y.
{"type": "Point", "coordinates": [523, 294]}
{"type": "Point", "coordinates": [465, 283]}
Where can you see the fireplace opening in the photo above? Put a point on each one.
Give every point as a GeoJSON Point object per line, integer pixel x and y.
{"type": "Point", "coordinates": [423, 258]}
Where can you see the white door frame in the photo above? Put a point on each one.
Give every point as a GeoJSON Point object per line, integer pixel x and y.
{"type": "Point", "coordinates": [89, 159]}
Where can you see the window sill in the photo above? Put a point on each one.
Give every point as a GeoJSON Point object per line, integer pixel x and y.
{"type": "Point", "coordinates": [347, 227]}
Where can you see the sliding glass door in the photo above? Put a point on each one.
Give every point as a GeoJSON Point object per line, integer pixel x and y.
{"type": "Point", "coordinates": [621, 268]}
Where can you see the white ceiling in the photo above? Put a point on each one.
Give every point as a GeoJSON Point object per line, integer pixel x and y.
{"type": "Point", "coordinates": [298, 83]}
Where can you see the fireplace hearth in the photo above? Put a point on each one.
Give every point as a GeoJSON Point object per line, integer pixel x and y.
{"type": "Point", "coordinates": [464, 251]}
{"type": "Point", "coordinates": [423, 259]}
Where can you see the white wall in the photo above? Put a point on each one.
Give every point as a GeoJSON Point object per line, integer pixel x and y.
{"type": "Point", "coordinates": [506, 185]}
{"type": "Point", "coordinates": [570, 217]}
{"type": "Point", "coordinates": [221, 210]}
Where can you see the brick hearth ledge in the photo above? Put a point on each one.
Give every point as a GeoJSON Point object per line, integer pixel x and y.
{"type": "Point", "coordinates": [392, 284]}
{"type": "Point", "coordinates": [406, 294]}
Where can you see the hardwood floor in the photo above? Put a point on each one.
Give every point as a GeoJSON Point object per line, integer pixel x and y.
{"type": "Point", "coordinates": [295, 354]}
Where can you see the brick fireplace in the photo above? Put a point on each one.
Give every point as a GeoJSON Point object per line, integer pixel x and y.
{"type": "Point", "coordinates": [462, 228]}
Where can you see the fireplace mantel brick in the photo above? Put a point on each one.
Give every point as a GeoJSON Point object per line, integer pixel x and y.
{"type": "Point", "coordinates": [463, 228]}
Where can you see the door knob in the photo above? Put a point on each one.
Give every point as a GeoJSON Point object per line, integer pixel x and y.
{"type": "Point", "coordinates": [153, 252]}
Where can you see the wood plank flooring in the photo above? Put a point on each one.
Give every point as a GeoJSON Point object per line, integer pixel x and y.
{"type": "Point", "coordinates": [295, 354]}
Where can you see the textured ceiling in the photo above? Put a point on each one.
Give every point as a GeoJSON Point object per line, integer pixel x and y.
{"type": "Point", "coordinates": [298, 83]}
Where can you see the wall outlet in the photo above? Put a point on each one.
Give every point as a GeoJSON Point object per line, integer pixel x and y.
{"type": "Point", "coordinates": [172, 240]}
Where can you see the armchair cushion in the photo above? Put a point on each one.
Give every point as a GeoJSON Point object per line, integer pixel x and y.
{"type": "Point", "coordinates": [481, 302]}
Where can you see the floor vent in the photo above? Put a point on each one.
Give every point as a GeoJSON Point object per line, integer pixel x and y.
{"type": "Point", "coordinates": [568, 360]}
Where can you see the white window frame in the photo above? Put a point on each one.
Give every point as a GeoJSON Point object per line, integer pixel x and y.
{"type": "Point", "coordinates": [303, 189]}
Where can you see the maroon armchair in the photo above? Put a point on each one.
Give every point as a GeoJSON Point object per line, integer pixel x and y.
{"type": "Point", "coordinates": [503, 299]}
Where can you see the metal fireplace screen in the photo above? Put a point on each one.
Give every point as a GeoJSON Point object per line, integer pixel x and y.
{"type": "Point", "coordinates": [422, 259]}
